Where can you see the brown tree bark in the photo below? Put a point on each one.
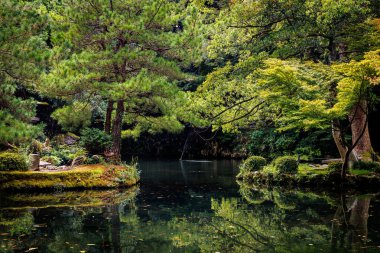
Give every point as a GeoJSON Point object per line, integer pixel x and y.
{"type": "Point", "coordinates": [358, 118]}
{"type": "Point", "coordinates": [338, 138]}
{"type": "Point", "coordinates": [115, 154]}
{"type": "Point", "coordinates": [359, 221]}
{"type": "Point", "coordinates": [107, 123]}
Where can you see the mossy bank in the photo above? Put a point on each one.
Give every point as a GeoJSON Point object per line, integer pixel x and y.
{"type": "Point", "coordinates": [320, 180]}
{"type": "Point", "coordinates": [81, 177]}
{"type": "Point", "coordinates": [286, 172]}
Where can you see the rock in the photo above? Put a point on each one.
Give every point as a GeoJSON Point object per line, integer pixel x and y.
{"type": "Point", "coordinates": [70, 139]}
{"type": "Point", "coordinates": [51, 167]}
{"type": "Point", "coordinates": [78, 161]}
{"type": "Point", "coordinates": [63, 167]}
{"type": "Point", "coordinates": [44, 164]}
{"type": "Point", "coordinates": [34, 161]}
{"type": "Point", "coordinates": [96, 159]}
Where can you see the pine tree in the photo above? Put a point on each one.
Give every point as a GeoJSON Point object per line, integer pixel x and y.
{"type": "Point", "coordinates": [128, 52]}
{"type": "Point", "coordinates": [23, 55]}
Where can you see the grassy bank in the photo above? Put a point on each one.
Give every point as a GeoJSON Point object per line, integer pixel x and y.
{"type": "Point", "coordinates": [311, 177]}
{"type": "Point", "coordinates": [81, 177]}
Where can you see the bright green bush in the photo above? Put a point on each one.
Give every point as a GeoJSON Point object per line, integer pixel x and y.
{"type": "Point", "coordinates": [94, 140]}
{"type": "Point", "coordinates": [286, 164]}
{"type": "Point", "coordinates": [254, 163]}
{"type": "Point", "coordinates": [12, 161]}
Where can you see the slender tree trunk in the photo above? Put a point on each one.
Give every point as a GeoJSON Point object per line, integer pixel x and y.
{"type": "Point", "coordinates": [116, 132]}
{"type": "Point", "coordinates": [107, 123]}
{"type": "Point", "coordinates": [346, 164]}
{"type": "Point", "coordinates": [338, 138]}
{"type": "Point", "coordinates": [358, 118]}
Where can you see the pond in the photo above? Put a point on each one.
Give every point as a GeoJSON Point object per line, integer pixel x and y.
{"type": "Point", "coordinates": [189, 206]}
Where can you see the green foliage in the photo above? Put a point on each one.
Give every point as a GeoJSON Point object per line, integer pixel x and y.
{"type": "Point", "coordinates": [95, 159]}
{"type": "Point", "coordinates": [23, 56]}
{"type": "Point", "coordinates": [22, 225]}
{"type": "Point", "coordinates": [369, 166]}
{"type": "Point", "coordinates": [254, 163]}
{"type": "Point", "coordinates": [136, 59]}
{"type": "Point", "coordinates": [35, 147]}
{"type": "Point", "coordinates": [10, 161]}
{"type": "Point", "coordinates": [286, 164]}
{"type": "Point", "coordinates": [124, 175]}
{"type": "Point", "coordinates": [73, 117]}
{"type": "Point", "coordinates": [65, 154]}
{"type": "Point", "coordinates": [55, 160]}
{"type": "Point", "coordinates": [94, 140]}
{"type": "Point", "coordinates": [335, 167]}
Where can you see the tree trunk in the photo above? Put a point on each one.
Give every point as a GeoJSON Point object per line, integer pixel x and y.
{"type": "Point", "coordinates": [358, 118]}
{"type": "Point", "coordinates": [115, 229]}
{"type": "Point", "coordinates": [346, 163]}
{"type": "Point", "coordinates": [115, 155]}
{"type": "Point", "coordinates": [107, 123]}
{"type": "Point", "coordinates": [359, 221]}
{"type": "Point", "coordinates": [338, 138]}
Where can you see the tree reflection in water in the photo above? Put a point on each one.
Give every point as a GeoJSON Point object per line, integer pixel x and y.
{"type": "Point", "coordinates": [257, 221]}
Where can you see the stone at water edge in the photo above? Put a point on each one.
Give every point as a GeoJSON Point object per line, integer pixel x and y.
{"type": "Point", "coordinates": [51, 167]}
{"type": "Point", "coordinates": [78, 161]}
{"type": "Point", "coordinates": [34, 161]}
{"type": "Point", "coordinates": [44, 164]}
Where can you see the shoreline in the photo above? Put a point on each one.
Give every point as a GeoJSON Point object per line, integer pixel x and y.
{"type": "Point", "coordinates": [315, 181]}
{"type": "Point", "coordinates": [83, 177]}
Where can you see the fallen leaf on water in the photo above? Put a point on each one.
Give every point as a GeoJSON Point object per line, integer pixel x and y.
{"type": "Point", "coordinates": [90, 244]}
{"type": "Point", "coordinates": [30, 249]}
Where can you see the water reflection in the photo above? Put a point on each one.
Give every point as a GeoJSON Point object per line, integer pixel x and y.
{"type": "Point", "coordinates": [189, 208]}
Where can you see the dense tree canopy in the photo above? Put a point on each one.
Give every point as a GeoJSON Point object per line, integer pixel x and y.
{"type": "Point", "coordinates": [133, 67]}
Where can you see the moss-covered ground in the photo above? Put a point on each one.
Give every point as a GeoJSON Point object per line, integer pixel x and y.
{"type": "Point", "coordinates": [81, 177]}
{"type": "Point", "coordinates": [312, 176]}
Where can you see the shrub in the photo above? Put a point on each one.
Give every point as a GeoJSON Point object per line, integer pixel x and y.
{"type": "Point", "coordinates": [370, 166]}
{"type": "Point", "coordinates": [286, 164]}
{"type": "Point", "coordinates": [254, 163]}
{"type": "Point", "coordinates": [334, 168]}
{"type": "Point", "coordinates": [94, 140]}
{"type": "Point", "coordinates": [95, 159]}
{"type": "Point", "coordinates": [65, 153]}
{"type": "Point", "coordinates": [35, 147]}
{"type": "Point", "coordinates": [12, 161]}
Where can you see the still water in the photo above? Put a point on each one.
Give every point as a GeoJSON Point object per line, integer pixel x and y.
{"type": "Point", "coordinates": [189, 207]}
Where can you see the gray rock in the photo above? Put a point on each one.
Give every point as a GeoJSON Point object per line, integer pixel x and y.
{"type": "Point", "coordinates": [34, 161]}
{"type": "Point", "coordinates": [44, 164]}
{"type": "Point", "coordinates": [96, 158]}
{"type": "Point", "coordinates": [70, 139]}
{"type": "Point", "coordinates": [78, 161]}
{"type": "Point", "coordinates": [51, 167]}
